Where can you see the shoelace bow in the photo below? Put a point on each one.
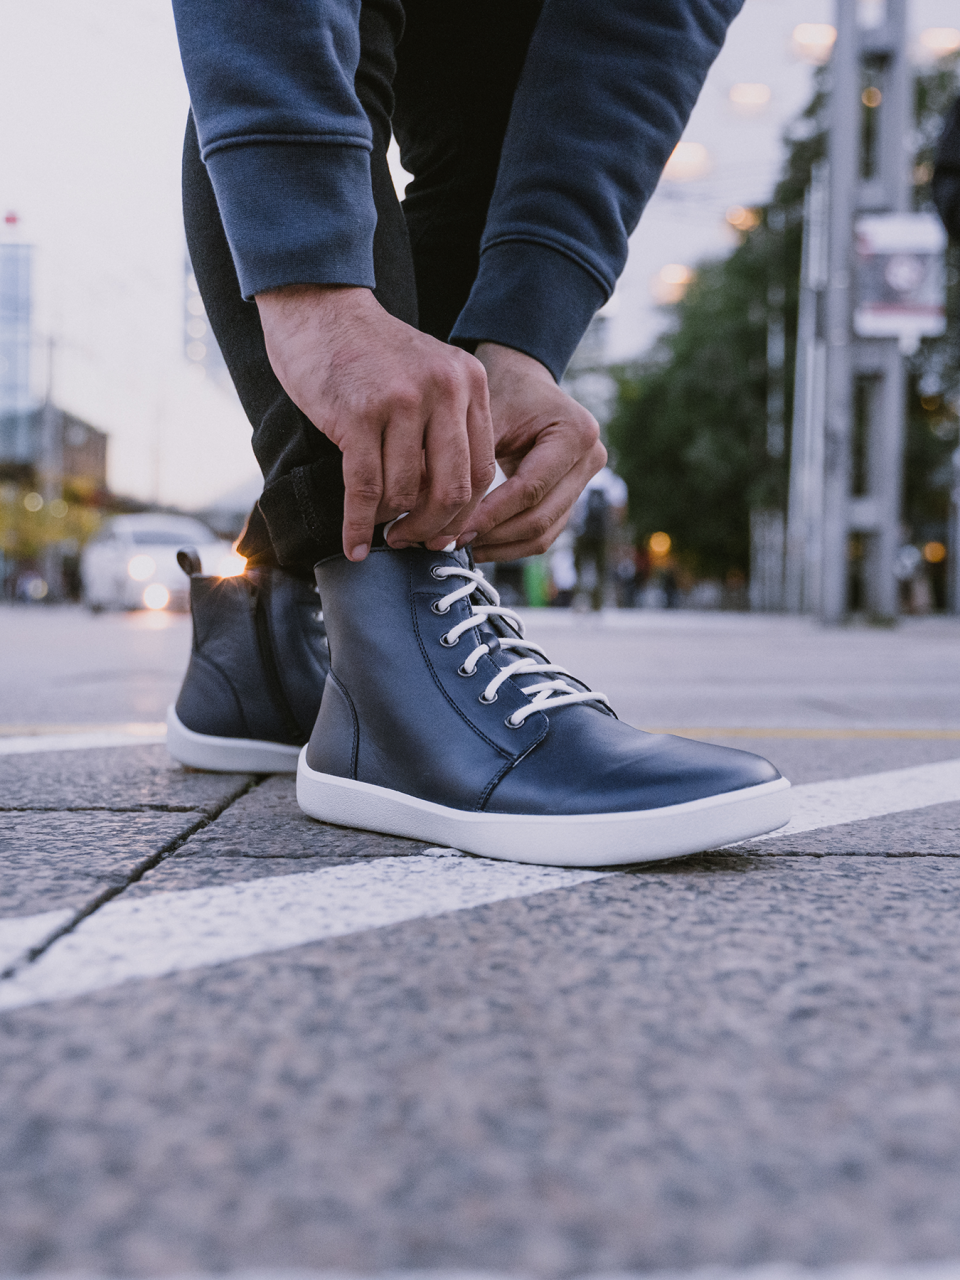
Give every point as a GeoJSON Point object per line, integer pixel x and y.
{"type": "Point", "coordinates": [550, 693]}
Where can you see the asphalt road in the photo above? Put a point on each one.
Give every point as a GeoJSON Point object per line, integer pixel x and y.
{"type": "Point", "coordinates": [233, 1039]}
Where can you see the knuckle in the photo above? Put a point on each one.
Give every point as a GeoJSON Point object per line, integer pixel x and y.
{"type": "Point", "coordinates": [454, 495]}
{"type": "Point", "coordinates": [482, 474]}
{"type": "Point", "coordinates": [589, 431]}
{"type": "Point", "coordinates": [405, 401]}
{"type": "Point", "coordinates": [532, 493]}
{"type": "Point", "coordinates": [447, 380]}
{"type": "Point", "coordinates": [366, 491]}
{"type": "Point", "coordinates": [540, 526]}
{"type": "Point", "coordinates": [476, 373]}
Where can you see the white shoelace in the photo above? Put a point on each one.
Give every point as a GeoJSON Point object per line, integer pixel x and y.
{"type": "Point", "coordinates": [544, 694]}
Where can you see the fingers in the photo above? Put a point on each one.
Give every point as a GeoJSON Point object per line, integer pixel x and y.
{"type": "Point", "coordinates": [562, 447]}
{"type": "Point", "coordinates": [363, 490]}
{"type": "Point", "coordinates": [507, 522]}
{"type": "Point", "coordinates": [447, 489]}
{"type": "Point", "coordinates": [459, 464]}
{"type": "Point", "coordinates": [403, 463]}
{"type": "Point", "coordinates": [483, 468]}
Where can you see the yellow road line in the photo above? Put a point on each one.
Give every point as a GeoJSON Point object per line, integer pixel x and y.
{"type": "Point", "coordinates": [950, 735]}
{"type": "Point", "coordinates": [151, 729]}
{"type": "Point", "coordinates": [137, 729]}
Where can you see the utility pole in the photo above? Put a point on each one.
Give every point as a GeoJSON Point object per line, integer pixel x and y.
{"type": "Point", "coordinates": [51, 473]}
{"type": "Point", "coordinates": [865, 376]}
{"type": "Point", "coordinates": [865, 303]}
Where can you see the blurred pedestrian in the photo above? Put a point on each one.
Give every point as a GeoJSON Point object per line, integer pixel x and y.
{"type": "Point", "coordinates": [946, 172]}
{"type": "Point", "coordinates": [596, 516]}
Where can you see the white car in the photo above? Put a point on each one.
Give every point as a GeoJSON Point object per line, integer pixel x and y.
{"type": "Point", "coordinates": [131, 563]}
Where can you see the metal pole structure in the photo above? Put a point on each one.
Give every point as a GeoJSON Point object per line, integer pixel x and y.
{"type": "Point", "coordinates": [805, 503]}
{"type": "Point", "coordinates": [880, 361]}
{"type": "Point", "coordinates": [51, 475]}
{"type": "Point", "coordinates": [844, 160]}
{"type": "Point", "coordinates": [870, 132]}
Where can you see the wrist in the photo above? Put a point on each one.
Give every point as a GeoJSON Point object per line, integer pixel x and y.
{"type": "Point", "coordinates": [289, 301]}
{"type": "Point", "coordinates": [506, 363]}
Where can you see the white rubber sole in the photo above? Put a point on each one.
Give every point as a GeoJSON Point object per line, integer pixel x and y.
{"type": "Point", "coordinates": [578, 840]}
{"type": "Point", "coordinates": [227, 755]}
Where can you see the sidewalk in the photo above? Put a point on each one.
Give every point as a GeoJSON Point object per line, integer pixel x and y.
{"type": "Point", "coordinates": [233, 1038]}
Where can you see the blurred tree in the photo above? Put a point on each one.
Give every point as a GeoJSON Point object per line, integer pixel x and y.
{"type": "Point", "coordinates": [690, 426]}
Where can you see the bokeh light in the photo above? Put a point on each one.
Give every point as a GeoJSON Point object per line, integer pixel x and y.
{"type": "Point", "coordinates": [142, 567]}
{"type": "Point", "coordinates": [934, 552]}
{"type": "Point", "coordinates": [689, 160]}
{"type": "Point", "coordinates": [939, 42]}
{"type": "Point", "coordinates": [742, 218]}
{"type": "Point", "coordinates": [814, 41]}
{"type": "Point", "coordinates": [671, 283]}
{"type": "Point", "coordinates": [750, 97]}
{"type": "Point", "coordinates": [660, 543]}
{"type": "Point", "coordinates": [156, 596]}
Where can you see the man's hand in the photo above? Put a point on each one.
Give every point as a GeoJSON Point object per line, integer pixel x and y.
{"type": "Point", "coordinates": [410, 414]}
{"type": "Point", "coordinates": [547, 445]}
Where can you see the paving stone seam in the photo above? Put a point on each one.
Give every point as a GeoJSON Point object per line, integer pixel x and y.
{"type": "Point", "coordinates": [101, 808]}
{"type": "Point", "coordinates": [205, 820]}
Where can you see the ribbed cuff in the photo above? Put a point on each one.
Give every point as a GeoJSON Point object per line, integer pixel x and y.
{"type": "Point", "coordinates": [296, 213]}
{"type": "Point", "coordinates": [532, 298]}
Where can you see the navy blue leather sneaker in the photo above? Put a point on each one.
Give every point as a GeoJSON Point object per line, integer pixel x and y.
{"type": "Point", "coordinates": [440, 722]}
{"type": "Point", "coordinates": [253, 687]}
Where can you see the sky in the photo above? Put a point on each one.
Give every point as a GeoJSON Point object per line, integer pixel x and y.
{"type": "Point", "coordinates": [92, 107]}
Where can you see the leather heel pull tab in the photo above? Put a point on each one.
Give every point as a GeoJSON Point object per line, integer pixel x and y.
{"type": "Point", "coordinates": [189, 561]}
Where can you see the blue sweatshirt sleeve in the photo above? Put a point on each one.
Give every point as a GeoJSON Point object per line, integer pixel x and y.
{"type": "Point", "coordinates": [283, 135]}
{"type": "Point", "coordinates": [606, 90]}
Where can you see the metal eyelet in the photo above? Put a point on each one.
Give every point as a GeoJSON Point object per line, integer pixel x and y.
{"type": "Point", "coordinates": [487, 701]}
{"type": "Point", "coordinates": [436, 571]}
{"type": "Point", "coordinates": [461, 671]}
{"type": "Point", "coordinates": [510, 725]}
{"type": "Point", "coordinates": [435, 608]}
{"type": "Point", "coordinates": [448, 643]}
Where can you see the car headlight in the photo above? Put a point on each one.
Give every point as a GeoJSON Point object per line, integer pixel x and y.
{"type": "Point", "coordinates": [141, 567]}
{"type": "Point", "coordinates": [156, 596]}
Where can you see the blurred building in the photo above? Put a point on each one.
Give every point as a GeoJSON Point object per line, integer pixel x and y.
{"type": "Point", "coordinates": [50, 448]}
{"type": "Point", "coordinates": [15, 300]}
{"type": "Point", "coordinates": [41, 447]}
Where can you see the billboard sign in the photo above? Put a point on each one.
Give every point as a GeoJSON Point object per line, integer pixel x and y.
{"type": "Point", "coordinates": [900, 291]}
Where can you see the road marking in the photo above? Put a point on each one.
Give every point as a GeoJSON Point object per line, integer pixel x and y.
{"type": "Point", "coordinates": [166, 933]}
{"type": "Point", "coordinates": [840, 735]}
{"type": "Point", "coordinates": [842, 800]}
{"type": "Point", "coordinates": [139, 728]}
{"type": "Point", "coordinates": [27, 739]}
{"type": "Point", "coordinates": [19, 933]}
{"type": "Point", "coordinates": [169, 932]}
{"type": "Point", "coordinates": [122, 736]}
{"type": "Point", "coordinates": [946, 1269]}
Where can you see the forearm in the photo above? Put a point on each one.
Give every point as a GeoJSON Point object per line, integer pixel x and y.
{"type": "Point", "coordinates": [605, 93]}
{"type": "Point", "coordinates": [283, 135]}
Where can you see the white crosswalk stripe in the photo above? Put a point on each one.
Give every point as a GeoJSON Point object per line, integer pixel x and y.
{"type": "Point", "coordinates": [828, 804]}
{"type": "Point", "coordinates": [164, 933]}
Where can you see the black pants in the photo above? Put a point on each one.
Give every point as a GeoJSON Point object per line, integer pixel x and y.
{"type": "Point", "coordinates": [444, 73]}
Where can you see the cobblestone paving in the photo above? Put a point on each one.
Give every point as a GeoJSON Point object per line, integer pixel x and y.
{"type": "Point", "coordinates": [740, 1059]}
